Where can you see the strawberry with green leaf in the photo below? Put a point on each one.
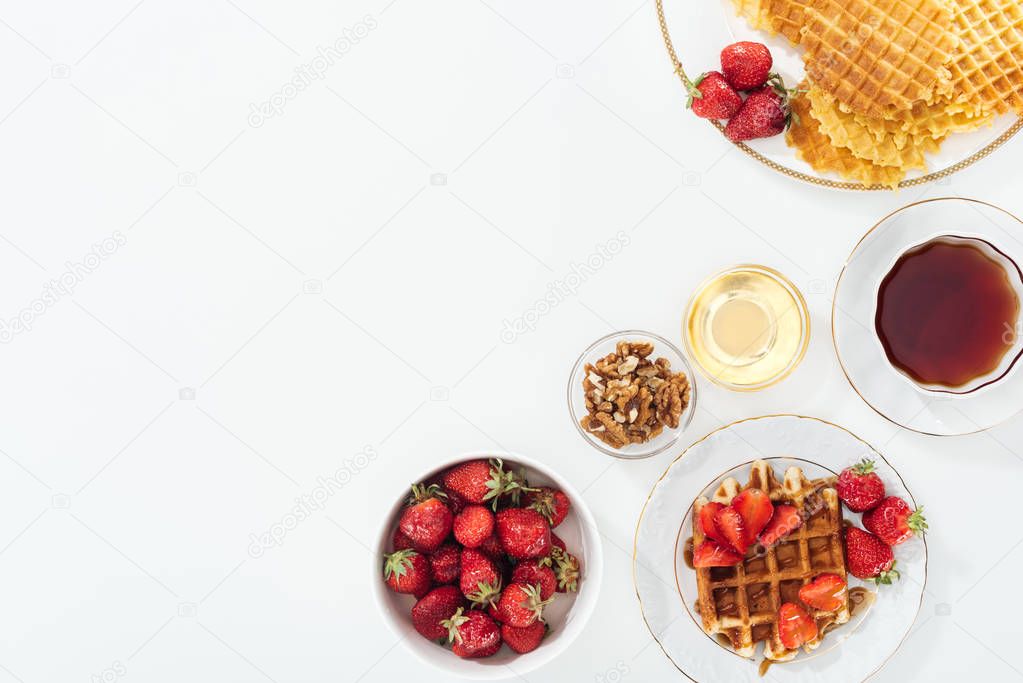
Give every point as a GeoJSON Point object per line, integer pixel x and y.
{"type": "Point", "coordinates": [894, 522]}
{"type": "Point", "coordinates": [479, 481]}
{"type": "Point", "coordinates": [427, 520]}
{"type": "Point", "coordinates": [407, 571]}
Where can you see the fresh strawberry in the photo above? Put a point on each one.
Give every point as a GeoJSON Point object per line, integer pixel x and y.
{"type": "Point", "coordinates": [827, 592]}
{"type": "Point", "coordinates": [473, 525]}
{"type": "Point", "coordinates": [446, 564]}
{"type": "Point", "coordinates": [710, 530]}
{"type": "Point", "coordinates": [893, 521]}
{"type": "Point", "coordinates": [491, 547]}
{"type": "Point", "coordinates": [566, 569]}
{"type": "Point", "coordinates": [859, 487]}
{"type": "Point", "coordinates": [436, 606]}
{"type": "Point", "coordinates": [523, 533]}
{"type": "Point", "coordinates": [427, 520]}
{"type": "Point", "coordinates": [557, 542]}
{"type": "Point", "coordinates": [473, 634]}
{"type": "Point", "coordinates": [710, 97]}
{"type": "Point", "coordinates": [795, 626]}
{"type": "Point", "coordinates": [480, 581]}
{"type": "Point", "coordinates": [712, 554]}
{"type": "Point", "coordinates": [869, 557]}
{"type": "Point", "coordinates": [479, 481]}
{"type": "Point", "coordinates": [729, 525]}
{"type": "Point", "coordinates": [523, 640]}
{"type": "Point", "coordinates": [756, 511]}
{"type": "Point", "coordinates": [784, 521]}
{"type": "Point", "coordinates": [551, 503]}
{"type": "Point", "coordinates": [407, 571]}
{"type": "Point", "coordinates": [746, 65]}
{"type": "Point", "coordinates": [539, 573]}
{"type": "Point", "coordinates": [521, 604]}
{"type": "Point", "coordinates": [400, 541]}
{"type": "Point", "coordinates": [765, 113]}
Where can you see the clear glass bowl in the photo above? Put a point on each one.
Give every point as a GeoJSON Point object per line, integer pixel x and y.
{"type": "Point", "coordinates": [602, 347]}
{"type": "Point", "coordinates": [787, 312]}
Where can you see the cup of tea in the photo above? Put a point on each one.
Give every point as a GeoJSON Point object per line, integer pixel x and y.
{"type": "Point", "coordinates": [947, 314]}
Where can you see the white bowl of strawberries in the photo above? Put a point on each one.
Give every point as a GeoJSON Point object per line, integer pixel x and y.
{"type": "Point", "coordinates": [489, 567]}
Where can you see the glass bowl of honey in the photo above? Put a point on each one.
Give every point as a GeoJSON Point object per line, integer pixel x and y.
{"type": "Point", "coordinates": [926, 317]}
{"type": "Point", "coordinates": [747, 327]}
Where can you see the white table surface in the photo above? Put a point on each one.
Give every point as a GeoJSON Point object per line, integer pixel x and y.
{"type": "Point", "coordinates": [337, 279]}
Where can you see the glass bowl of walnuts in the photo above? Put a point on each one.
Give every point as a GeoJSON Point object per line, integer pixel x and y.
{"type": "Point", "coordinates": [631, 394]}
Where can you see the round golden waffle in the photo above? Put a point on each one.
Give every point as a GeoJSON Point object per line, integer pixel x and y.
{"type": "Point", "coordinates": [741, 603]}
{"type": "Point", "coordinates": [879, 56]}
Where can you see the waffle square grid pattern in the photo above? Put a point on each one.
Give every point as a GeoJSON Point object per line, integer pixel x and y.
{"type": "Point", "coordinates": [741, 603]}
{"type": "Point", "coordinates": [892, 79]}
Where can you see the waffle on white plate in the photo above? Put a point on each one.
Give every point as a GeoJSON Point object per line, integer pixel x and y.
{"type": "Point", "coordinates": [897, 74]}
{"type": "Point", "coordinates": [740, 604]}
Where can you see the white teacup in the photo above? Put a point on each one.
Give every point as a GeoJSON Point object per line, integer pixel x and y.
{"type": "Point", "coordinates": [1013, 336]}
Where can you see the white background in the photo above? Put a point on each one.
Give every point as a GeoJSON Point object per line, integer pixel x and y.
{"type": "Point", "coordinates": [322, 296]}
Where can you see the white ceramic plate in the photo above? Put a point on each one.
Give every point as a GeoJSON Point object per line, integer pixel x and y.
{"type": "Point", "coordinates": [567, 615]}
{"type": "Point", "coordinates": [699, 30]}
{"type": "Point", "coordinates": [851, 652]}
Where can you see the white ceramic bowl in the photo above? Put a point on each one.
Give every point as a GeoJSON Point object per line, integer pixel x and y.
{"type": "Point", "coordinates": [567, 615]}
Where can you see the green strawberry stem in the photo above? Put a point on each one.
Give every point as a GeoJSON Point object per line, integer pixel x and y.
{"type": "Point", "coordinates": [886, 578]}
{"type": "Point", "coordinates": [398, 563]}
{"type": "Point", "coordinates": [486, 594]}
{"type": "Point", "coordinates": [916, 521]}
{"type": "Point", "coordinates": [693, 88]}
{"type": "Point", "coordinates": [534, 602]}
{"type": "Point", "coordinates": [452, 624]}
{"type": "Point", "coordinates": [422, 492]}
{"type": "Point", "coordinates": [865, 466]}
{"type": "Point", "coordinates": [505, 483]}
{"type": "Point", "coordinates": [567, 569]}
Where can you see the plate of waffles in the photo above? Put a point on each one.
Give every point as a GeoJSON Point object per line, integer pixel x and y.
{"type": "Point", "coordinates": [752, 561]}
{"type": "Point", "coordinates": [882, 93]}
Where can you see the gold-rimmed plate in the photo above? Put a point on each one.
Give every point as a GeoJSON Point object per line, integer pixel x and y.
{"type": "Point", "coordinates": [859, 350]}
{"type": "Point", "coordinates": [694, 34]}
{"type": "Point", "coordinates": [851, 652]}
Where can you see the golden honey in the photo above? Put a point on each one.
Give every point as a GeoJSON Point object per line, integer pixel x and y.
{"type": "Point", "coordinates": [747, 327]}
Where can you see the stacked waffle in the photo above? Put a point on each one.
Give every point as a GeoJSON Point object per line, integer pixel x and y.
{"type": "Point", "coordinates": [888, 80]}
{"type": "Point", "coordinates": [741, 603]}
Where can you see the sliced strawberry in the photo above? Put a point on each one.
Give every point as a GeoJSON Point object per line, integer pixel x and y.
{"type": "Point", "coordinates": [827, 592]}
{"type": "Point", "coordinates": [756, 510]}
{"type": "Point", "coordinates": [795, 626]}
{"type": "Point", "coordinates": [784, 521]}
{"type": "Point", "coordinates": [711, 554]}
{"type": "Point", "coordinates": [707, 513]}
{"type": "Point", "coordinates": [729, 524]}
